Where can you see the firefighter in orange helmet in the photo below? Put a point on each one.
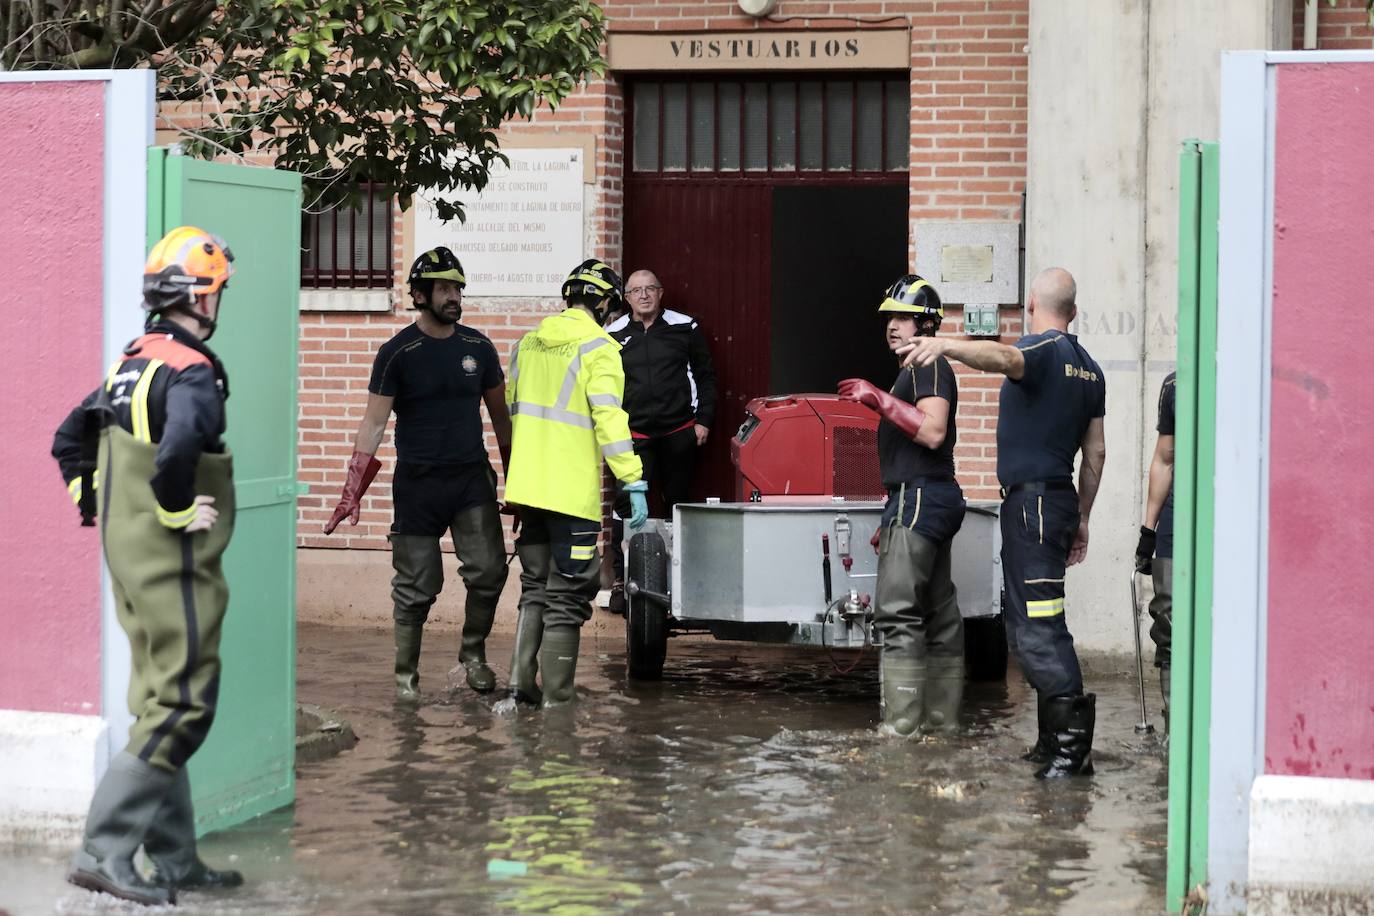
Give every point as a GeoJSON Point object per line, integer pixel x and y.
{"type": "Point", "coordinates": [147, 446]}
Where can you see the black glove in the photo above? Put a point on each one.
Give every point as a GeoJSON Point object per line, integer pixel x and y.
{"type": "Point", "coordinates": [1145, 550]}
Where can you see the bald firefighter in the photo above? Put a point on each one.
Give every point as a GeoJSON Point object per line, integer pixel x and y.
{"type": "Point", "coordinates": [1050, 409]}
{"type": "Point", "coordinates": [146, 448]}
{"type": "Point", "coordinates": [565, 393]}
{"type": "Point", "coordinates": [917, 609]}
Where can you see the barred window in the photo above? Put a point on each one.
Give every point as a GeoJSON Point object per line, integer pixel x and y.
{"type": "Point", "coordinates": [349, 248]}
{"type": "Point", "coordinates": [778, 125]}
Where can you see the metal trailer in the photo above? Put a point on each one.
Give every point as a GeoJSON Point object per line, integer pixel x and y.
{"type": "Point", "coordinates": [797, 572]}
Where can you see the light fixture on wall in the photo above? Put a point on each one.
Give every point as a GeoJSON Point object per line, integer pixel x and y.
{"type": "Point", "coordinates": [757, 8]}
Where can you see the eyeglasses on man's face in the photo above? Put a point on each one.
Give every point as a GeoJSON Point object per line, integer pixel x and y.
{"type": "Point", "coordinates": [637, 292]}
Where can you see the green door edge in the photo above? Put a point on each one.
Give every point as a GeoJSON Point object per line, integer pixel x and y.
{"type": "Point", "coordinates": [1194, 470]}
{"type": "Point", "coordinates": [273, 789]}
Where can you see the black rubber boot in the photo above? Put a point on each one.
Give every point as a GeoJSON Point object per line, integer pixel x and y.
{"type": "Point", "coordinates": [535, 561]}
{"type": "Point", "coordinates": [125, 803]}
{"type": "Point", "coordinates": [1071, 721]}
{"type": "Point", "coordinates": [904, 695]}
{"type": "Point", "coordinates": [1043, 747]}
{"type": "Point", "coordinates": [408, 638]}
{"type": "Point", "coordinates": [170, 844]}
{"type": "Point", "coordinates": [558, 658]}
{"type": "Point", "coordinates": [472, 655]}
{"type": "Point", "coordinates": [944, 694]}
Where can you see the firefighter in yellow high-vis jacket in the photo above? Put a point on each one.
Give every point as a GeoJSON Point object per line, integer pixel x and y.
{"type": "Point", "coordinates": [565, 389]}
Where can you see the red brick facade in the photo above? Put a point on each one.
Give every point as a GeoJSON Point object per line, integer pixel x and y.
{"type": "Point", "coordinates": [967, 161]}
{"type": "Point", "coordinates": [1342, 27]}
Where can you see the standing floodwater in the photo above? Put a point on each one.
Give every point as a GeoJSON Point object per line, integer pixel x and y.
{"type": "Point", "coordinates": [750, 780]}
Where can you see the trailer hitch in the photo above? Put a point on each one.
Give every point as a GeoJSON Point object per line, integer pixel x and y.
{"type": "Point", "coordinates": [634, 590]}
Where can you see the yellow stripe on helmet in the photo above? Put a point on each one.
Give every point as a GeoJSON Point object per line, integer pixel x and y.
{"type": "Point", "coordinates": [449, 274]}
{"type": "Point", "coordinates": [591, 278]}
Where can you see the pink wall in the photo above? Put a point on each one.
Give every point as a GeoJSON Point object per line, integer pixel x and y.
{"type": "Point", "coordinates": [1320, 714]}
{"type": "Point", "coordinates": [51, 170]}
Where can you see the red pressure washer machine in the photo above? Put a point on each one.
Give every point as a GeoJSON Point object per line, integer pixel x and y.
{"type": "Point", "coordinates": [789, 560]}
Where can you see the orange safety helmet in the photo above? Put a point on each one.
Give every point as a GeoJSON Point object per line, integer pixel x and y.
{"type": "Point", "coordinates": [187, 262]}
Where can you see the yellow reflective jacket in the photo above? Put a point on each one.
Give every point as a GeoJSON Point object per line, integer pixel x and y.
{"type": "Point", "coordinates": [564, 390]}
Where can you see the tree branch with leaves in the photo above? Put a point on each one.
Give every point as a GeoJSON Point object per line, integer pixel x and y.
{"type": "Point", "coordinates": [407, 94]}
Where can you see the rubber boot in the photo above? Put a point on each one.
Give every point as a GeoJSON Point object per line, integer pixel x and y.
{"type": "Point", "coordinates": [408, 638]}
{"type": "Point", "coordinates": [904, 690]}
{"type": "Point", "coordinates": [1040, 751]}
{"type": "Point", "coordinates": [944, 694]}
{"type": "Point", "coordinates": [1164, 686]}
{"type": "Point", "coordinates": [1071, 721]}
{"type": "Point", "coordinates": [472, 655]}
{"type": "Point", "coordinates": [558, 658]}
{"type": "Point", "coordinates": [170, 844]}
{"type": "Point", "coordinates": [535, 561]}
{"type": "Point", "coordinates": [125, 803]}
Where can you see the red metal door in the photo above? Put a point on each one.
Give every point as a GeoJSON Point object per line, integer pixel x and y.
{"type": "Point", "coordinates": [709, 244]}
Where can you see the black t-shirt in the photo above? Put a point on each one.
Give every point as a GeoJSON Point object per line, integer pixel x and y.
{"type": "Point", "coordinates": [1164, 528]}
{"type": "Point", "coordinates": [1042, 417]}
{"type": "Point", "coordinates": [901, 460]}
{"type": "Point", "coordinates": [438, 385]}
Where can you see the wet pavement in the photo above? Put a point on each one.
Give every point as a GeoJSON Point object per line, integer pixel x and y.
{"type": "Point", "coordinates": [750, 780]}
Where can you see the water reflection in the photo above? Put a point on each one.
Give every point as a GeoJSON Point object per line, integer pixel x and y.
{"type": "Point", "coordinates": [750, 780]}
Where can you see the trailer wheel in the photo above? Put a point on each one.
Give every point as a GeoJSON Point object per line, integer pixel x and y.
{"type": "Point", "coordinates": [646, 619]}
{"type": "Point", "coordinates": [985, 648]}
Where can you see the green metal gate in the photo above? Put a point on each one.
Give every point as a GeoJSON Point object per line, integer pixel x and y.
{"type": "Point", "coordinates": [1194, 468]}
{"type": "Point", "coordinates": [247, 766]}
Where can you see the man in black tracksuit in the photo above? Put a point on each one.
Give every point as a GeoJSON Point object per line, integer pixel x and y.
{"type": "Point", "coordinates": [670, 395]}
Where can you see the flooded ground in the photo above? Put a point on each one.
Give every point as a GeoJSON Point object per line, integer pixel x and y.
{"type": "Point", "coordinates": [750, 780]}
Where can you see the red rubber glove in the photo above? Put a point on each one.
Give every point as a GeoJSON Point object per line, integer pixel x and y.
{"type": "Point", "coordinates": [901, 414]}
{"type": "Point", "coordinates": [876, 539]}
{"type": "Point", "coordinates": [362, 467]}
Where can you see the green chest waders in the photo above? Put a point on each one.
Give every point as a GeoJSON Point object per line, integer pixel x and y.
{"type": "Point", "coordinates": [170, 595]}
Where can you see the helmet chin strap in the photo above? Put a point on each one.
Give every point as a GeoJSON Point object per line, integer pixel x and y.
{"type": "Point", "coordinates": [209, 324]}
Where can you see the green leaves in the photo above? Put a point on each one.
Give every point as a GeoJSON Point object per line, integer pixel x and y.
{"type": "Point", "coordinates": [405, 93]}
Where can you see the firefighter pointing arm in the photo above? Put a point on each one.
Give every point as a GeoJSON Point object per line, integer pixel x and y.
{"type": "Point", "coordinates": [565, 393]}
{"type": "Point", "coordinates": [1050, 409]}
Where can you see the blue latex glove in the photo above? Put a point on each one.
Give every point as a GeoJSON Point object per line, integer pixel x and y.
{"type": "Point", "coordinates": [639, 503]}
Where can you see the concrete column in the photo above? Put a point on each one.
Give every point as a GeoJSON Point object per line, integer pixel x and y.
{"type": "Point", "coordinates": [1115, 88]}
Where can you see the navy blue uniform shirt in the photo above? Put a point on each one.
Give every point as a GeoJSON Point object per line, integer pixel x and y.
{"type": "Point", "coordinates": [437, 384]}
{"type": "Point", "coordinates": [1043, 416]}
{"type": "Point", "coordinates": [1164, 528]}
{"type": "Point", "coordinates": [899, 458]}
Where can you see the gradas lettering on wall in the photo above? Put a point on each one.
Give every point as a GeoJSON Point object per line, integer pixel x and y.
{"type": "Point", "coordinates": [1121, 323]}
{"type": "Point", "coordinates": [762, 48]}
{"type": "Point", "coordinates": [771, 49]}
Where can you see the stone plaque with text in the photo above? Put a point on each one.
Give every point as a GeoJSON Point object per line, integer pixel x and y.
{"type": "Point", "coordinates": [523, 231]}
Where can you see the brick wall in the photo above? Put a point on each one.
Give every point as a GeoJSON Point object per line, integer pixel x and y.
{"type": "Point", "coordinates": [967, 161]}
{"type": "Point", "coordinates": [1342, 27]}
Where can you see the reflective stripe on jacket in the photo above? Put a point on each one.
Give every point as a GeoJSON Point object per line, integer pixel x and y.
{"type": "Point", "coordinates": [565, 389]}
